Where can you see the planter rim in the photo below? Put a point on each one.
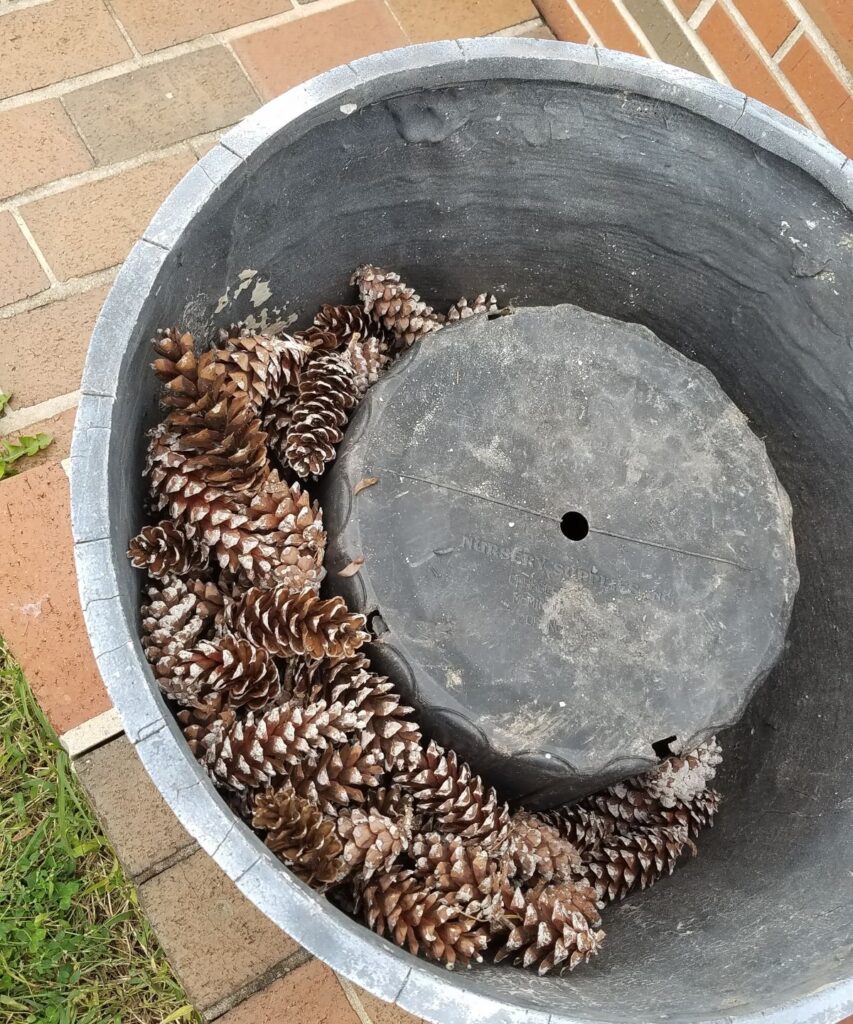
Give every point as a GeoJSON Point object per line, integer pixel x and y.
{"type": "Point", "coordinates": [346, 945]}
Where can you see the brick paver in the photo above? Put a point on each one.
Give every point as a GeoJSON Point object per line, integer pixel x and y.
{"type": "Point", "coordinates": [159, 105]}
{"type": "Point", "coordinates": [740, 62]}
{"type": "Point", "coordinates": [40, 613]}
{"type": "Point", "coordinates": [42, 351]}
{"type": "Point", "coordinates": [563, 21]}
{"type": "Point", "coordinates": [158, 23]}
{"type": "Point", "coordinates": [282, 57]}
{"type": "Point", "coordinates": [76, 243]}
{"type": "Point", "coordinates": [51, 41]}
{"type": "Point", "coordinates": [60, 428]}
{"type": "Point", "coordinates": [451, 19]}
{"type": "Point", "coordinates": [835, 20]}
{"type": "Point", "coordinates": [612, 31]}
{"type": "Point", "coordinates": [385, 1013]}
{"type": "Point", "coordinates": [309, 995]}
{"type": "Point", "coordinates": [771, 20]}
{"type": "Point", "coordinates": [20, 273]}
{"type": "Point", "coordinates": [665, 34]}
{"type": "Point", "coordinates": [141, 827]}
{"type": "Point", "coordinates": [215, 939]}
{"type": "Point", "coordinates": [39, 144]}
{"type": "Point", "coordinates": [819, 86]}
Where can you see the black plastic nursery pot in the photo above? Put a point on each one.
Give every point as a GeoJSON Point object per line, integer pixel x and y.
{"type": "Point", "coordinates": [548, 173]}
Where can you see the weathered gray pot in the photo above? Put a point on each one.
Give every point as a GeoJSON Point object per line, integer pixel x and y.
{"type": "Point", "coordinates": [550, 173]}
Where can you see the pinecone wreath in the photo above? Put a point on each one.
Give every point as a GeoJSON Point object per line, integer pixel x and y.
{"type": "Point", "coordinates": [267, 679]}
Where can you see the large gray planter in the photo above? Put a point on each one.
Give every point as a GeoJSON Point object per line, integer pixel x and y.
{"type": "Point", "coordinates": [550, 173]}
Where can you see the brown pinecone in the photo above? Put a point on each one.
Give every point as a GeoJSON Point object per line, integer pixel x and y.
{"type": "Point", "coordinates": [394, 304]}
{"type": "Point", "coordinates": [213, 598]}
{"type": "Point", "coordinates": [319, 339]}
{"type": "Point", "coordinates": [625, 810]}
{"type": "Point", "coordinates": [288, 624]}
{"type": "Point", "coordinates": [459, 802]}
{"type": "Point", "coordinates": [472, 877]}
{"type": "Point", "coordinates": [367, 360]}
{"type": "Point", "coordinates": [226, 672]}
{"type": "Point", "coordinates": [247, 363]}
{"type": "Point", "coordinates": [174, 619]}
{"type": "Point", "coordinates": [327, 392]}
{"type": "Point", "coordinates": [186, 377]}
{"type": "Point", "coordinates": [637, 802]}
{"type": "Point", "coordinates": [214, 447]}
{"type": "Point", "coordinates": [636, 860]}
{"type": "Point", "coordinates": [165, 550]}
{"type": "Point", "coordinates": [282, 541]}
{"type": "Point", "coordinates": [255, 749]}
{"type": "Point", "coordinates": [278, 415]}
{"type": "Point", "coordinates": [372, 841]}
{"type": "Point", "coordinates": [680, 778]}
{"type": "Point", "coordinates": [583, 827]}
{"type": "Point", "coordinates": [391, 729]}
{"type": "Point", "coordinates": [347, 322]}
{"type": "Point", "coordinates": [421, 918]}
{"type": "Point", "coordinates": [299, 834]}
{"type": "Point", "coordinates": [339, 778]}
{"type": "Point", "coordinates": [394, 802]}
{"type": "Point", "coordinates": [460, 310]}
{"type": "Point", "coordinates": [538, 849]}
{"type": "Point", "coordinates": [560, 928]}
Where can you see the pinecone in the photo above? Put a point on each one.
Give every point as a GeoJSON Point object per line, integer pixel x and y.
{"type": "Point", "coordinates": [281, 542]}
{"type": "Point", "coordinates": [538, 849]}
{"type": "Point", "coordinates": [394, 304]}
{"type": "Point", "coordinates": [247, 363]}
{"type": "Point", "coordinates": [459, 801]}
{"type": "Point", "coordinates": [226, 672]}
{"type": "Point", "coordinates": [559, 928]}
{"type": "Point", "coordinates": [367, 360]}
{"type": "Point", "coordinates": [319, 339]}
{"type": "Point", "coordinates": [288, 624]}
{"type": "Point", "coordinates": [164, 550]}
{"type": "Point", "coordinates": [624, 862]}
{"type": "Point", "coordinates": [394, 802]}
{"type": "Point", "coordinates": [173, 620]}
{"type": "Point", "coordinates": [680, 778]}
{"type": "Point", "coordinates": [300, 835]}
{"type": "Point", "coordinates": [196, 455]}
{"type": "Point", "coordinates": [186, 376]}
{"type": "Point", "coordinates": [327, 391]}
{"type": "Point", "coordinates": [583, 827]}
{"type": "Point", "coordinates": [472, 877]}
{"type": "Point", "coordinates": [631, 804]}
{"type": "Point", "coordinates": [213, 599]}
{"type": "Point", "coordinates": [460, 310]}
{"type": "Point", "coordinates": [372, 841]}
{"type": "Point", "coordinates": [421, 918]}
{"type": "Point", "coordinates": [347, 322]}
{"type": "Point", "coordinates": [278, 415]}
{"type": "Point", "coordinates": [391, 731]}
{"type": "Point", "coordinates": [255, 749]}
{"type": "Point", "coordinates": [339, 778]}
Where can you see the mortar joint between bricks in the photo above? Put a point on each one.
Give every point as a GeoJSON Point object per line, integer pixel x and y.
{"type": "Point", "coordinates": [267, 978]}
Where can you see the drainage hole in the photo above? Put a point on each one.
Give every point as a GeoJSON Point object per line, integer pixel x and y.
{"type": "Point", "coordinates": [663, 749]}
{"type": "Point", "coordinates": [574, 525]}
{"type": "Point", "coordinates": [376, 624]}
